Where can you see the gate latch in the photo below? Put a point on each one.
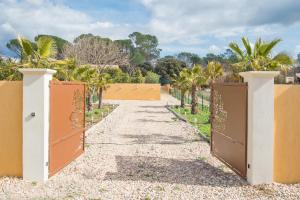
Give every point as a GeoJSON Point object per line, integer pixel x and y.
{"type": "Point", "coordinates": [32, 114]}
{"type": "Point", "coordinates": [248, 166]}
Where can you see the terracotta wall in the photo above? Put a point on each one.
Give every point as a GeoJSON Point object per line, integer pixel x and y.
{"type": "Point", "coordinates": [124, 91]}
{"type": "Point", "coordinates": [11, 128]}
{"type": "Point", "coordinates": [287, 134]}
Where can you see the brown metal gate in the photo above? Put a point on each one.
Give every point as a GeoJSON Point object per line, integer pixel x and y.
{"type": "Point", "coordinates": [67, 123]}
{"type": "Point", "coordinates": [229, 125]}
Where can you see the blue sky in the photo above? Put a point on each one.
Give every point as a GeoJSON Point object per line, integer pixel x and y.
{"type": "Point", "coordinates": [198, 26]}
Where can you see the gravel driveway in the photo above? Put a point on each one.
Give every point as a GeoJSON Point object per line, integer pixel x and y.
{"type": "Point", "coordinates": [141, 151]}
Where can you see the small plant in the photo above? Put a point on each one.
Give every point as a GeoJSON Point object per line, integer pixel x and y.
{"type": "Point", "coordinates": [202, 158]}
{"type": "Point", "coordinates": [147, 198]}
{"type": "Point", "coordinates": [102, 190]}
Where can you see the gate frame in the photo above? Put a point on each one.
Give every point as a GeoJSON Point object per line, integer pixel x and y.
{"type": "Point", "coordinates": [246, 129]}
{"type": "Point", "coordinates": [55, 82]}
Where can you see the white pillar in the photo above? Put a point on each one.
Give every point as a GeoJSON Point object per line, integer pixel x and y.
{"type": "Point", "coordinates": [260, 125]}
{"type": "Point", "coordinates": [36, 104]}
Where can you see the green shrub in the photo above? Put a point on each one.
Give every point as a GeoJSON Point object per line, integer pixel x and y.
{"type": "Point", "coordinates": [138, 77]}
{"type": "Point", "coordinates": [151, 77]}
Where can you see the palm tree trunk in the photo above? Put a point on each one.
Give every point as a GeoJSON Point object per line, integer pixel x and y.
{"type": "Point", "coordinates": [194, 100]}
{"type": "Point", "coordinates": [182, 98]}
{"type": "Point", "coordinates": [89, 102]}
{"type": "Point", "coordinates": [100, 97]}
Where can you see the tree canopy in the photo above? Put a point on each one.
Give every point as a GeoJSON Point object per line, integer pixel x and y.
{"type": "Point", "coordinates": [190, 59]}
{"type": "Point", "coordinates": [60, 43]}
{"type": "Point", "coordinates": [168, 69]}
{"type": "Point", "coordinates": [146, 45]}
{"type": "Point", "coordinates": [95, 50]}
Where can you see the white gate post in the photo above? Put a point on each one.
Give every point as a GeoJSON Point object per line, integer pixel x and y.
{"type": "Point", "coordinates": [36, 107]}
{"type": "Point", "coordinates": [260, 125]}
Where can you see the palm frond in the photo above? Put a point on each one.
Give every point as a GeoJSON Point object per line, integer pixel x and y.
{"type": "Point", "coordinates": [236, 49]}
{"type": "Point", "coordinates": [247, 46]}
{"type": "Point", "coordinates": [46, 47]}
{"type": "Point", "coordinates": [268, 46]}
{"type": "Point", "coordinates": [26, 47]}
{"type": "Point", "coordinates": [257, 47]}
{"type": "Point", "coordinates": [214, 70]}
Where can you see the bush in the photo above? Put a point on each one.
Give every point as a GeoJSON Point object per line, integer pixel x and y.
{"type": "Point", "coordinates": [138, 77]}
{"type": "Point", "coordinates": [118, 76]}
{"type": "Point", "coordinates": [151, 77]}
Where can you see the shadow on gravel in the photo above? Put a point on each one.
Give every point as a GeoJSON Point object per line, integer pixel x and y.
{"type": "Point", "coordinates": [158, 112]}
{"type": "Point", "coordinates": [155, 121]}
{"type": "Point", "coordinates": [187, 172]}
{"type": "Point", "coordinates": [150, 139]}
{"type": "Point", "coordinates": [152, 106]}
{"type": "Point", "coordinates": [157, 139]}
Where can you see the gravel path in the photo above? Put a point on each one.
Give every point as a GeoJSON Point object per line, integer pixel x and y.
{"type": "Point", "coordinates": [141, 151]}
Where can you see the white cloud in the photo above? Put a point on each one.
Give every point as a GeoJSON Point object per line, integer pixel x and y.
{"type": "Point", "coordinates": [6, 27]}
{"type": "Point", "coordinates": [36, 2]}
{"type": "Point", "coordinates": [195, 25]}
{"type": "Point", "coordinates": [32, 17]}
{"type": "Point", "coordinates": [177, 20]}
{"type": "Point", "coordinates": [215, 49]}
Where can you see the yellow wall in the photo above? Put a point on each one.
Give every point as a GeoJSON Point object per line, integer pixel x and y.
{"type": "Point", "coordinates": [124, 91]}
{"type": "Point", "coordinates": [287, 134]}
{"type": "Point", "coordinates": [166, 88]}
{"type": "Point", "coordinates": [11, 128]}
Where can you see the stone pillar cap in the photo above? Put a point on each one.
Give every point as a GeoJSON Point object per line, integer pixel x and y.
{"type": "Point", "coordinates": [36, 71]}
{"type": "Point", "coordinates": [259, 74]}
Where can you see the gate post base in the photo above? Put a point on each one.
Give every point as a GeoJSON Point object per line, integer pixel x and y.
{"type": "Point", "coordinates": [260, 126]}
{"type": "Point", "coordinates": [36, 102]}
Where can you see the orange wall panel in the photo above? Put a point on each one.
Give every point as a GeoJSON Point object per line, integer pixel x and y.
{"type": "Point", "coordinates": [11, 101]}
{"type": "Point", "coordinates": [129, 91]}
{"type": "Point", "coordinates": [287, 134]}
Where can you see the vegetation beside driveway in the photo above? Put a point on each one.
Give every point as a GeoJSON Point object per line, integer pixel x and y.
{"type": "Point", "coordinates": [199, 121]}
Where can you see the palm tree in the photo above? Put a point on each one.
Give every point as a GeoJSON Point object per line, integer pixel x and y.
{"type": "Point", "coordinates": [39, 57]}
{"type": "Point", "coordinates": [181, 84]}
{"type": "Point", "coordinates": [259, 57]}
{"type": "Point", "coordinates": [87, 74]}
{"type": "Point", "coordinates": [194, 78]}
{"type": "Point", "coordinates": [66, 70]}
{"type": "Point", "coordinates": [213, 71]}
{"type": "Point", "coordinates": [101, 83]}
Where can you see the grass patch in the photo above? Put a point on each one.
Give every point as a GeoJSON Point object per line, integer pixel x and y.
{"type": "Point", "coordinates": [200, 120]}
{"type": "Point", "coordinates": [97, 114]}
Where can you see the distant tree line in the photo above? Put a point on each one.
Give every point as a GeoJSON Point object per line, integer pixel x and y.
{"type": "Point", "coordinates": [138, 54]}
{"type": "Point", "coordinates": [99, 61]}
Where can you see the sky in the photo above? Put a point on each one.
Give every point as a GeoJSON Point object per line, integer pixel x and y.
{"type": "Point", "coordinates": [197, 26]}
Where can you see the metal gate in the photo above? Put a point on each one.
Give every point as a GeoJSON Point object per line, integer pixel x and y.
{"type": "Point", "coordinates": [229, 125]}
{"type": "Point", "coordinates": [67, 123]}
